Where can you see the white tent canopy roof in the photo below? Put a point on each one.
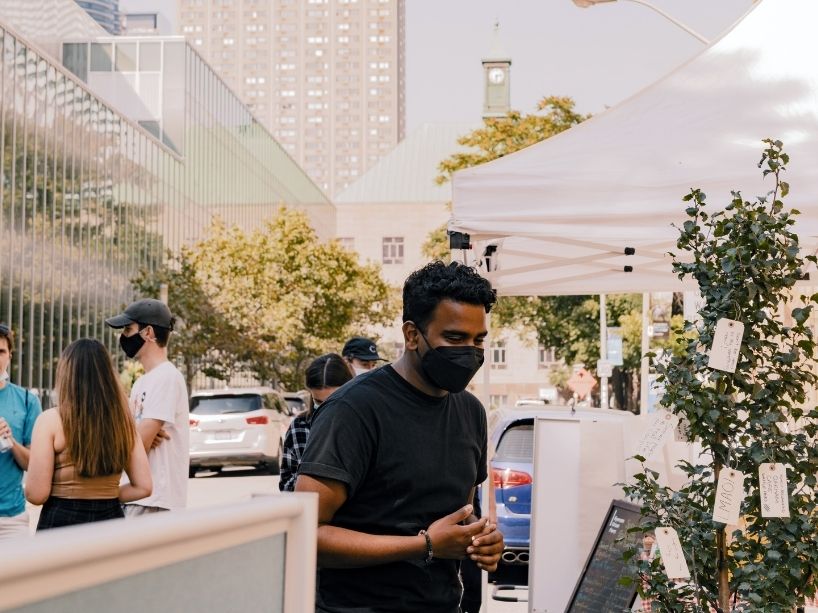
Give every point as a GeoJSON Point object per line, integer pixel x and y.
{"type": "Point", "coordinates": [562, 212]}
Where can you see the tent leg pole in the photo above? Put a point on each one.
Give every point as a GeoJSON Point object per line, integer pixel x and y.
{"type": "Point", "coordinates": [603, 350]}
{"type": "Point", "coordinates": [644, 382]}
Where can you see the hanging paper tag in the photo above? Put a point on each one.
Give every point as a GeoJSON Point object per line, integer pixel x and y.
{"type": "Point", "coordinates": [658, 432]}
{"type": "Point", "coordinates": [772, 479]}
{"type": "Point", "coordinates": [726, 345]}
{"type": "Point", "coordinates": [673, 558]}
{"type": "Point", "coordinates": [681, 433]}
{"type": "Point", "coordinates": [729, 495]}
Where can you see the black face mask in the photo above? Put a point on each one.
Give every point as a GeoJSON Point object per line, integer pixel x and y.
{"type": "Point", "coordinates": [451, 368]}
{"type": "Point", "coordinates": [131, 344]}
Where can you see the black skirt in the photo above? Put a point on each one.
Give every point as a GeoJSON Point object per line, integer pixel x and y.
{"type": "Point", "coordinates": [59, 512]}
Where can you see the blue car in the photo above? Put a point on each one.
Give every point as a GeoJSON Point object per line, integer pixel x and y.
{"type": "Point", "coordinates": [512, 467]}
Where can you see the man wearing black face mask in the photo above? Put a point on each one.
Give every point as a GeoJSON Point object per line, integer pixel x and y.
{"type": "Point", "coordinates": [395, 457]}
{"type": "Point", "coordinates": [159, 404]}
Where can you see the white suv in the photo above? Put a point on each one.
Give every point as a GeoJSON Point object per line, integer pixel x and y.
{"type": "Point", "coordinates": [237, 427]}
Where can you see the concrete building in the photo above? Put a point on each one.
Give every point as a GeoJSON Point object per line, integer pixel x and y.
{"type": "Point", "coordinates": [327, 77]}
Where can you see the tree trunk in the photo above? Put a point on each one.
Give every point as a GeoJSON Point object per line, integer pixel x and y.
{"type": "Point", "coordinates": [723, 577]}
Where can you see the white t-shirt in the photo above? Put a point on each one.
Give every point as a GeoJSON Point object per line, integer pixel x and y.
{"type": "Point", "coordinates": [162, 394]}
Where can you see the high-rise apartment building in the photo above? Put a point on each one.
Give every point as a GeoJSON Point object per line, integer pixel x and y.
{"type": "Point", "coordinates": [104, 12]}
{"type": "Point", "coordinates": [326, 76]}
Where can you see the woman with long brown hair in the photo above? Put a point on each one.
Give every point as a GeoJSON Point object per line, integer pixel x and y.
{"type": "Point", "coordinates": [80, 448]}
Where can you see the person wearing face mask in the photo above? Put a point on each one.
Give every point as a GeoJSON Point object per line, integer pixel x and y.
{"type": "Point", "coordinates": [361, 354]}
{"type": "Point", "coordinates": [159, 403]}
{"type": "Point", "coordinates": [395, 458]}
{"type": "Point", "coordinates": [325, 374]}
{"type": "Point", "coordinates": [19, 409]}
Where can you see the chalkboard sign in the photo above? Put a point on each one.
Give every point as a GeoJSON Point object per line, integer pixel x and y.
{"type": "Point", "coordinates": [598, 589]}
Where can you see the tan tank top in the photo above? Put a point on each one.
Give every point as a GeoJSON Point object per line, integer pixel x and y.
{"type": "Point", "coordinates": [68, 484]}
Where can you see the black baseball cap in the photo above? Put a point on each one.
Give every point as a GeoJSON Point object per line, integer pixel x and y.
{"type": "Point", "coordinates": [147, 311]}
{"type": "Point", "coordinates": [361, 348]}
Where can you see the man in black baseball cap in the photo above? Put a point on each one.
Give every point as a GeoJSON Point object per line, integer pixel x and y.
{"type": "Point", "coordinates": [361, 354]}
{"type": "Point", "coordinates": [148, 311]}
{"type": "Point", "coordinates": [159, 403]}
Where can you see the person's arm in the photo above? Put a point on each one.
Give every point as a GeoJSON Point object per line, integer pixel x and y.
{"type": "Point", "coordinates": [41, 458]}
{"type": "Point", "coordinates": [19, 452]}
{"type": "Point", "coordinates": [289, 460]}
{"type": "Point", "coordinates": [148, 429]}
{"type": "Point", "coordinates": [343, 548]}
{"type": "Point", "coordinates": [139, 475]}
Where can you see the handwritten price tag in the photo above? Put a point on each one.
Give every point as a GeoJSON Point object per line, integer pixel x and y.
{"type": "Point", "coordinates": [775, 501]}
{"type": "Point", "coordinates": [729, 495]}
{"type": "Point", "coordinates": [673, 558]}
{"type": "Point", "coordinates": [726, 345]}
{"type": "Point", "coordinates": [658, 432]}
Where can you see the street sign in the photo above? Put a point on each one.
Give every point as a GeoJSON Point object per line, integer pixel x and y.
{"type": "Point", "coordinates": [581, 383]}
{"type": "Point", "coordinates": [604, 368]}
{"type": "Point", "coordinates": [614, 346]}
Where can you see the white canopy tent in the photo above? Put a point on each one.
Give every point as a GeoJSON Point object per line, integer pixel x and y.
{"type": "Point", "coordinates": [558, 216]}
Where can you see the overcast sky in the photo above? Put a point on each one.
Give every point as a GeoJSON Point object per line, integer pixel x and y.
{"type": "Point", "coordinates": [598, 56]}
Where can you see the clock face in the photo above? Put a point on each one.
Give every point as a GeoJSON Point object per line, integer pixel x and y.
{"type": "Point", "coordinates": [497, 75]}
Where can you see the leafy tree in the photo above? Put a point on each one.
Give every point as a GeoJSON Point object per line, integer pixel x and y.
{"type": "Point", "coordinates": [500, 136]}
{"type": "Point", "coordinates": [746, 260]}
{"type": "Point", "coordinates": [203, 341]}
{"type": "Point", "coordinates": [293, 295]}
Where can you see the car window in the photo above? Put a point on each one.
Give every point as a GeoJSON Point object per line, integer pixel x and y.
{"type": "Point", "coordinates": [276, 403]}
{"type": "Point", "coordinates": [296, 405]}
{"type": "Point", "coordinates": [220, 405]}
{"type": "Point", "coordinates": [516, 444]}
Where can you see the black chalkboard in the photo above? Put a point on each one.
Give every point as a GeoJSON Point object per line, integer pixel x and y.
{"type": "Point", "coordinates": [598, 589]}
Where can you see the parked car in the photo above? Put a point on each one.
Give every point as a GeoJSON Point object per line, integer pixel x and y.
{"type": "Point", "coordinates": [512, 468]}
{"type": "Point", "coordinates": [237, 427]}
{"type": "Point", "coordinates": [297, 401]}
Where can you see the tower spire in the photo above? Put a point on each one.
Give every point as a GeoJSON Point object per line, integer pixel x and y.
{"type": "Point", "coordinates": [496, 77]}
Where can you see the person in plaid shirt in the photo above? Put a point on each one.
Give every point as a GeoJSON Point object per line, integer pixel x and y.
{"type": "Point", "coordinates": [324, 375]}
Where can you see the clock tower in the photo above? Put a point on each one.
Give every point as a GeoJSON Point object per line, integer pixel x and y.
{"type": "Point", "coordinates": [496, 79]}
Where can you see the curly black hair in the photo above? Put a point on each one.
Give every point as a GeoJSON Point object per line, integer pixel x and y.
{"type": "Point", "coordinates": [426, 288]}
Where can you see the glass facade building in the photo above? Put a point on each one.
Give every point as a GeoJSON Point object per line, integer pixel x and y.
{"type": "Point", "coordinates": [104, 12]}
{"type": "Point", "coordinates": [109, 162]}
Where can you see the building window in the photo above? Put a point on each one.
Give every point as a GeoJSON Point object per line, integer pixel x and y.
{"type": "Point", "coordinates": [347, 242]}
{"type": "Point", "coordinates": [498, 400]}
{"type": "Point", "coordinates": [498, 354]}
{"type": "Point", "coordinates": [393, 250]}
{"type": "Point", "coordinates": [547, 356]}
{"type": "Point", "coordinates": [101, 57]}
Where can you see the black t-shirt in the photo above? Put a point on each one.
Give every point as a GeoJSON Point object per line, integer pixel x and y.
{"type": "Point", "coordinates": [407, 460]}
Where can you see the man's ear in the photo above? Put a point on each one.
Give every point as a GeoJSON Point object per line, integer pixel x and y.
{"type": "Point", "coordinates": [411, 335]}
{"type": "Point", "coordinates": [149, 335]}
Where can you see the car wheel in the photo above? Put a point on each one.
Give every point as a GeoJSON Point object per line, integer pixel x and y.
{"type": "Point", "coordinates": [192, 472]}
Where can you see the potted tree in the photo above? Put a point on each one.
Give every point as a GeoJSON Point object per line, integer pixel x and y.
{"type": "Point", "coordinates": [746, 260]}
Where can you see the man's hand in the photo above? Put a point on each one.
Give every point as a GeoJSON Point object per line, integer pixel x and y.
{"type": "Point", "coordinates": [450, 539]}
{"type": "Point", "coordinates": [5, 430]}
{"type": "Point", "coordinates": [160, 437]}
{"type": "Point", "coordinates": [486, 548]}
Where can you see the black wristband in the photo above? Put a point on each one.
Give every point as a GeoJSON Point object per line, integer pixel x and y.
{"type": "Point", "coordinates": [429, 553]}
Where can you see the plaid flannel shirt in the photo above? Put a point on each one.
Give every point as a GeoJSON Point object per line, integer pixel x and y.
{"type": "Point", "coordinates": [295, 441]}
